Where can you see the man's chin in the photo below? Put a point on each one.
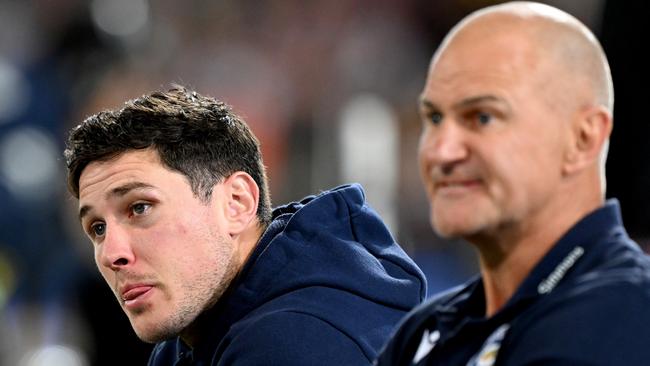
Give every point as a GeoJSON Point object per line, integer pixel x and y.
{"type": "Point", "coordinates": [454, 229]}
{"type": "Point", "coordinates": [153, 333]}
{"type": "Point", "coordinates": [447, 232]}
{"type": "Point", "coordinates": [154, 337]}
{"type": "Point", "coordinates": [458, 221]}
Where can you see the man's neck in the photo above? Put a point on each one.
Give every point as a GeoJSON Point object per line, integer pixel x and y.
{"type": "Point", "coordinates": [248, 240]}
{"type": "Point", "coordinates": [246, 243]}
{"type": "Point", "coordinates": [508, 257]}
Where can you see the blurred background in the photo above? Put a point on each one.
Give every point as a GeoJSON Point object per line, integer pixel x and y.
{"type": "Point", "coordinates": [329, 87]}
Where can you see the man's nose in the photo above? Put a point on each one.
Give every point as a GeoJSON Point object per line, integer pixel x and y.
{"type": "Point", "coordinates": [116, 251]}
{"type": "Point", "coordinates": [444, 145]}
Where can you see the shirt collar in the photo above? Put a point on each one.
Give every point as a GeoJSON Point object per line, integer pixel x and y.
{"type": "Point", "coordinates": [582, 240]}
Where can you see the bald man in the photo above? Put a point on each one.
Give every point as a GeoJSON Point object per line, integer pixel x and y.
{"type": "Point", "coordinates": [517, 113]}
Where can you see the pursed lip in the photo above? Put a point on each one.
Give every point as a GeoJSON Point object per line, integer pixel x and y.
{"type": "Point", "coordinates": [447, 183]}
{"type": "Point", "coordinates": [456, 186]}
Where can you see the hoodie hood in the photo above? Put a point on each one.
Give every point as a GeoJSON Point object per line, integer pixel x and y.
{"type": "Point", "coordinates": [332, 239]}
{"type": "Point", "coordinates": [329, 256]}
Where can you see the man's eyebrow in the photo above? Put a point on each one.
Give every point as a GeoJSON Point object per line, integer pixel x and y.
{"type": "Point", "coordinates": [472, 101]}
{"type": "Point", "coordinates": [115, 192]}
{"type": "Point", "coordinates": [427, 104]}
{"type": "Point", "coordinates": [126, 188]}
{"type": "Point", "coordinates": [467, 102]}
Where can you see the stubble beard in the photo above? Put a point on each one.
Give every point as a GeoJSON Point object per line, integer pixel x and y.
{"type": "Point", "coordinates": [201, 295]}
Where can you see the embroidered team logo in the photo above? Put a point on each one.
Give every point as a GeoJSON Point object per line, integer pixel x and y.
{"type": "Point", "coordinates": [429, 340]}
{"type": "Point", "coordinates": [487, 356]}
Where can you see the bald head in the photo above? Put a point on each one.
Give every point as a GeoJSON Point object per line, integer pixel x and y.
{"type": "Point", "coordinates": [516, 112]}
{"type": "Point", "coordinates": [572, 53]}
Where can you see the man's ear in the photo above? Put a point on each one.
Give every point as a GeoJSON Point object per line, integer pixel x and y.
{"type": "Point", "coordinates": [590, 131]}
{"type": "Point", "coordinates": [242, 198]}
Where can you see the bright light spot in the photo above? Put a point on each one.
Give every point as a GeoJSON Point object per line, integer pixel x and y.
{"type": "Point", "coordinates": [120, 18]}
{"type": "Point", "coordinates": [14, 95]}
{"type": "Point", "coordinates": [54, 355]}
{"type": "Point", "coordinates": [370, 151]}
{"type": "Point", "coordinates": [28, 165]}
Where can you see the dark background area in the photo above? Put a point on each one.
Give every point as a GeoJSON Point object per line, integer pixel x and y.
{"type": "Point", "coordinates": [623, 36]}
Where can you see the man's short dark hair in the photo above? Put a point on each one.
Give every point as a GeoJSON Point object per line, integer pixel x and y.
{"type": "Point", "coordinates": [200, 137]}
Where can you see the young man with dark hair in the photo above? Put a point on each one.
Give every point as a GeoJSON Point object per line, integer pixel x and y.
{"type": "Point", "coordinates": [173, 195]}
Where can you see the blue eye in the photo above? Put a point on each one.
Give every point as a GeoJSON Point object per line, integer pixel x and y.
{"type": "Point", "coordinates": [436, 118]}
{"type": "Point", "coordinates": [98, 229]}
{"type": "Point", "coordinates": [484, 118]}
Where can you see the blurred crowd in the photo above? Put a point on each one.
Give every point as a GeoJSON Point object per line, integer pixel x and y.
{"type": "Point", "coordinates": [329, 87]}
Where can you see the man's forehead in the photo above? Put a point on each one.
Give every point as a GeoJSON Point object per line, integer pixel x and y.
{"type": "Point", "coordinates": [459, 83]}
{"type": "Point", "coordinates": [116, 186]}
{"type": "Point", "coordinates": [128, 167]}
{"type": "Point", "coordinates": [487, 50]}
{"type": "Point", "coordinates": [499, 60]}
{"type": "Point", "coordinates": [127, 158]}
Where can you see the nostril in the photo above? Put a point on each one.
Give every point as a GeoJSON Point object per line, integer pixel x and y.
{"type": "Point", "coordinates": [121, 262]}
{"type": "Point", "coordinates": [447, 169]}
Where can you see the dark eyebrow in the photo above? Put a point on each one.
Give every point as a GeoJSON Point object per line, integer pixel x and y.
{"type": "Point", "coordinates": [126, 188]}
{"type": "Point", "coordinates": [116, 192]}
{"type": "Point", "coordinates": [429, 105]}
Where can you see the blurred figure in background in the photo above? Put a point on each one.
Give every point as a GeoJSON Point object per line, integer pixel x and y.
{"type": "Point", "coordinates": [173, 195]}
{"type": "Point", "coordinates": [517, 114]}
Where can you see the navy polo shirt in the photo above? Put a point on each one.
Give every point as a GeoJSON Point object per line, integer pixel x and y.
{"type": "Point", "coordinates": [587, 302]}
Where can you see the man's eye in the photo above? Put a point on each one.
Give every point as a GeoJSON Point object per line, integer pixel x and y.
{"type": "Point", "coordinates": [435, 118]}
{"type": "Point", "coordinates": [140, 208]}
{"type": "Point", "coordinates": [483, 118]}
{"type": "Point", "coordinates": [98, 229]}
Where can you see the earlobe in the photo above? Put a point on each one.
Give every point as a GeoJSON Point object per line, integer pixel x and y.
{"type": "Point", "coordinates": [590, 132]}
{"type": "Point", "coordinates": [242, 201]}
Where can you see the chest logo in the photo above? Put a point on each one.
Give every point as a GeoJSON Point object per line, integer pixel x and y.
{"type": "Point", "coordinates": [429, 340]}
{"type": "Point", "coordinates": [487, 356]}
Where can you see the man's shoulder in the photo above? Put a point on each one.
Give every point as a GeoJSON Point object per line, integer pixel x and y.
{"type": "Point", "coordinates": [607, 287]}
{"type": "Point", "coordinates": [610, 271]}
{"type": "Point", "coordinates": [279, 337]}
{"type": "Point", "coordinates": [293, 337]}
{"type": "Point", "coordinates": [408, 333]}
{"type": "Point", "coordinates": [333, 312]}
{"type": "Point", "coordinates": [437, 302]}
{"type": "Point", "coordinates": [607, 295]}
{"type": "Point", "coordinates": [600, 317]}
{"type": "Point", "coordinates": [429, 308]}
{"type": "Point", "coordinates": [622, 269]}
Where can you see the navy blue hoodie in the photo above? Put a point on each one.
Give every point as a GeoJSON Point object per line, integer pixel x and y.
{"type": "Point", "coordinates": [324, 286]}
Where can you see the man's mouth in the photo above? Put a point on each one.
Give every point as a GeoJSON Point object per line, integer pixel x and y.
{"type": "Point", "coordinates": [453, 187]}
{"type": "Point", "coordinates": [133, 295]}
